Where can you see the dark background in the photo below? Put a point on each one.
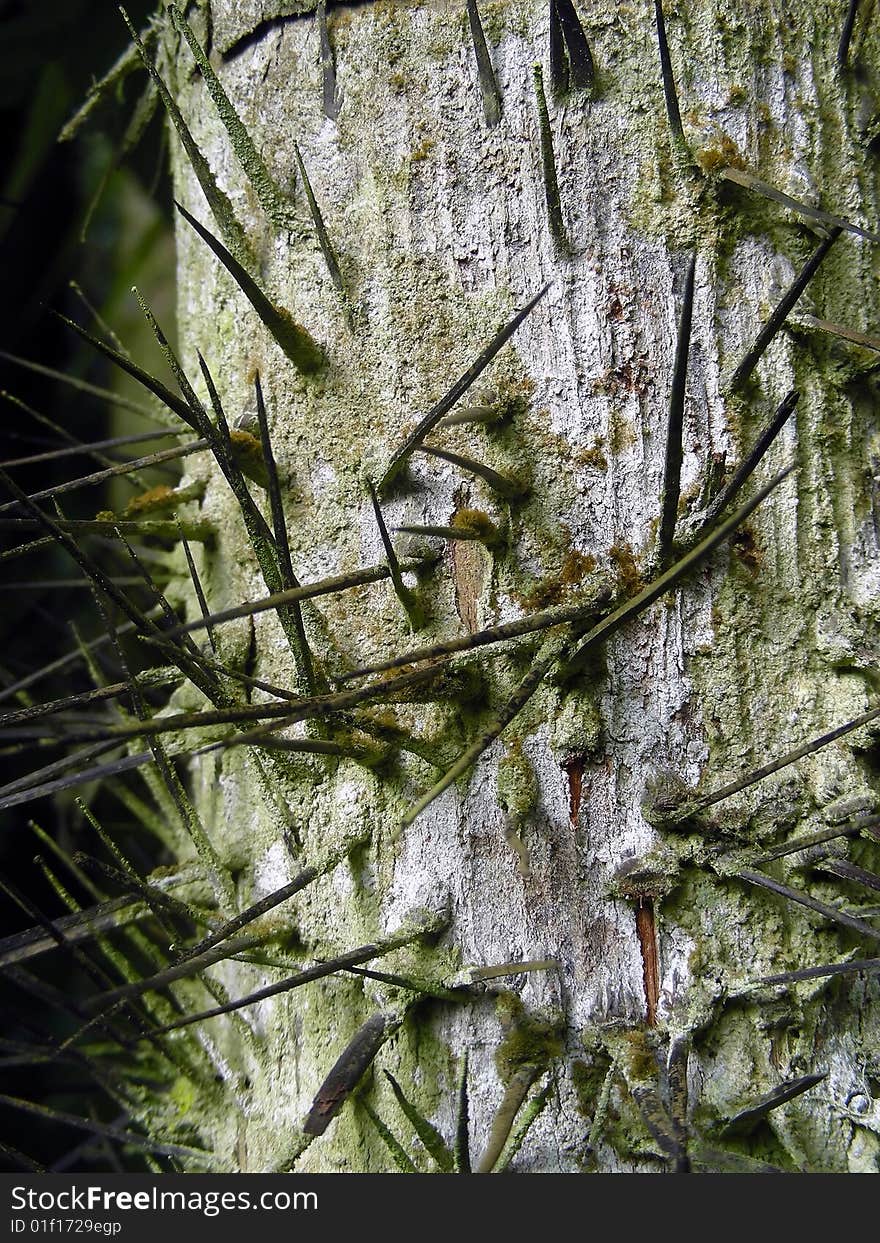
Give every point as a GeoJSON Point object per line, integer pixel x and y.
{"type": "Point", "coordinates": [50, 53]}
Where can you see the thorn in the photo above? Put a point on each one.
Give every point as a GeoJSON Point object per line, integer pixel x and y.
{"type": "Point", "coordinates": [150, 383]}
{"type": "Point", "coordinates": [305, 354]}
{"type": "Point", "coordinates": [197, 588]}
{"type": "Point", "coordinates": [221, 207]}
{"type": "Point", "coordinates": [781, 311]}
{"type": "Point", "coordinates": [675, 424]}
{"type": "Point", "coordinates": [486, 74]}
{"type": "Point", "coordinates": [82, 386]}
{"type": "Point", "coordinates": [847, 334]}
{"type": "Point", "coordinates": [507, 486]}
{"type": "Point", "coordinates": [459, 388]}
{"type": "Point", "coordinates": [744, 1122]}
{"type": "Point", "coordinates": [679, 142]}
{"type": "Point", "coordinates": [827, 969]}
{"type": "Point", "coordinates": [846, 34]}
{"type": "Point", "coordinates": [270, 197]}
{"type": "Point", "coordinates": [548, 164]}
{"type": "Point", "coordinates": [803, 899]}
{"type": "Point", "coordinates": [348, 1070]}
{"type": "Point", "coordinates": [323, 237]}
{"type": "Point", "coordinates": [749, 181]}
{"type": "Point", "coordinates": [580, 72]}
{"type": "Point", "coordinates": [462, 1142]}
{"type": "Point", "coordinates": [808, 748]}
{"type": "Point", "coordinates": [329, 87]}
{"type": "Point", "coordinates": [407, 598]}
{"type": "Point", "coordinates": [431, 1139]}
{"type": "Point", "coordinates": [752, 458]}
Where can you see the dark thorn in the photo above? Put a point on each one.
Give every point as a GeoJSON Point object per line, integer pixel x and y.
{"type": "Point", "coordinates": [101, 1128]}
{"type": "Point", "coordinates": [82, 386]}
{"type": "Point", "coordinates": [744, 1122]}
{"type": "Point", "coordinates": [582, 70]}
{"type": "Point", "coordinates": [675, 424]}
{"type": "Point", "coordinates": [110, 472]}
{"type": "Point", "coordinates": [548, 165]}
{"type": "Point", "coordinates": [507, 486]}
{"type": "Point", "coordinates": [323, 236]}
{"type": "Point", "coordinates": [197, 588]}
{"type": "Point", "coordinates": [812, 904]}
{"type": "Point", "coordinates": [670, 94]}
{"type": "Point", "coordinates": [815, 973]}
{"type": "Point", "coordinates": [150, 383]}
{"type": "Point", "coordinates": [347, 1071]}
{"type": "Point", "coordinates": [851, 872]}
{"type": "Point", "coordinates": [459, 388]}
{"type": "Point", "coordinates": [406, 597]}
{"type": "Point", "coordinates": [486, 74]}
{"type": "Point", "coordinates": [325, 586]}
{"type": "Point", "coordinates": [731, 490]}
{"type": "Point", "coordinates": [758, 774]}
{"type": "Point", "coordinates": [305, 354]}
{"type": "Point", "coordinates": [82, 925]}
{"type": "Point", "coordinates": [748, 181]}
{"type": "Point", "coordinates": [529, 624]}
{"type": "Point", "coordinates": [329, 86]}
{"type": "Point", "coordinates": [462, 1141]}
{"type": "Point", "coordinates": [289, 581]}
{"type": "Point", "coordinates": [782, 310]}
{"type": "Point", "coordinates": [846, 34]}
{"type": "Point", "coordinates": [558, 60]}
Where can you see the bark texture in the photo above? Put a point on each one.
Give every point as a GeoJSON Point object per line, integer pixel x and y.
{"type": "Point", "coordinates": [441, 228]}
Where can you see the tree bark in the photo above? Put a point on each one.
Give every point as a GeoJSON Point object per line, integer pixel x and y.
{"type": "Point", "coordinates": [645, 1021]}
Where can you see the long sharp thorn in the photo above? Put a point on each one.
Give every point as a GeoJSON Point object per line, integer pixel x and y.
{"type": "Point", "coordinates": [459, 388]}
{"type": "Point", "coordinates": [493, 634]}
{"type": "Point", "coordinates": [462, 1141]}
{"type": "Point", "coordinates": [675, 423]}
{"type": "Point", "coordinates": [289, 581]}
{"type": "Point", "coordinates": [548, 166]}
{"type": "Point", "coordinates": [782, 310]}
{"type": "Point", "coordinates": [197, 588]}
{"type": "Point", "coordinates": [329, 89]}
{"type": "Point", "coordinates": [150, 383]}
{"type": "Point", "coordinates": [807, 748]}
{"type": "Point", "coordinates": [747, 1119]}
{"type": "Point", "coordinates": [748, 181]}
{"type": "Point", "coordinates": [633, 607]}
{"type": "Point", "coordinates": [507, 486]}
{"type": "Point", "coordinates": [76, 927]}
{"type": "Point", "coordinates": [813, 904]}
{"type": "Point", "coordinates": [271, 199]}
{"type": "Point", "coordinates": [852, 967]}
{"type": "Point", "coordinates": [221, 207]}
{"type": "Point", "coordinates": [406, 597]}
{"type": "Point", "coordinates": [258, 909]}
{"type": "Point", "coordinates": [348, 1070]}
{"type": "Point", "coordinates": [326, 586]}
{"type": "Point", "coordinates": [846, 34]}
{"type": "Point", "coordinates": [582, 69]}
{"type": "Point", "coordinates": [731, 490]}
{"type": "Point", "coordinates": [363, 953]}
{"type": "Point", "coordinates": [486, 74]}
{"type": "Point", "coordinates": [869, 341]}
{"type": "Point", "coordinates": [317, 219]}
{"type": "Point", "coordinates": [89, 447]}
{"type": "Point", "coordinates": [305, 354]}
{"type": "Point", "coordinates": [558, 62]}
{"type": "Point", "coordinates": [851, 872]}
{"type": "Point", "coordinates": [670, 94]}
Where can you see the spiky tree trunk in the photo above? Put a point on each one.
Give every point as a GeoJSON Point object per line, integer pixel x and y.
{"type": "Point", "coordinates": [573, 843]}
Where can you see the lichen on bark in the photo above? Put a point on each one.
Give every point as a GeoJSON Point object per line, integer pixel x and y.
{"type": "Point", "coordinates": [440, 228]}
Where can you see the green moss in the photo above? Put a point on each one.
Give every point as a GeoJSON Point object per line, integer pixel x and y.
{"type": "Point", "coordinates": [529, 1039]}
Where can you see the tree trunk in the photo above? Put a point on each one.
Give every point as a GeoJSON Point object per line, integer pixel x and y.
{"type": "Point", "coordinates": [570, 845]}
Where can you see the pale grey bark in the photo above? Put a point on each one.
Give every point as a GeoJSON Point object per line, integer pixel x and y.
{"type": "Point", "coordinates": [441, 230]}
